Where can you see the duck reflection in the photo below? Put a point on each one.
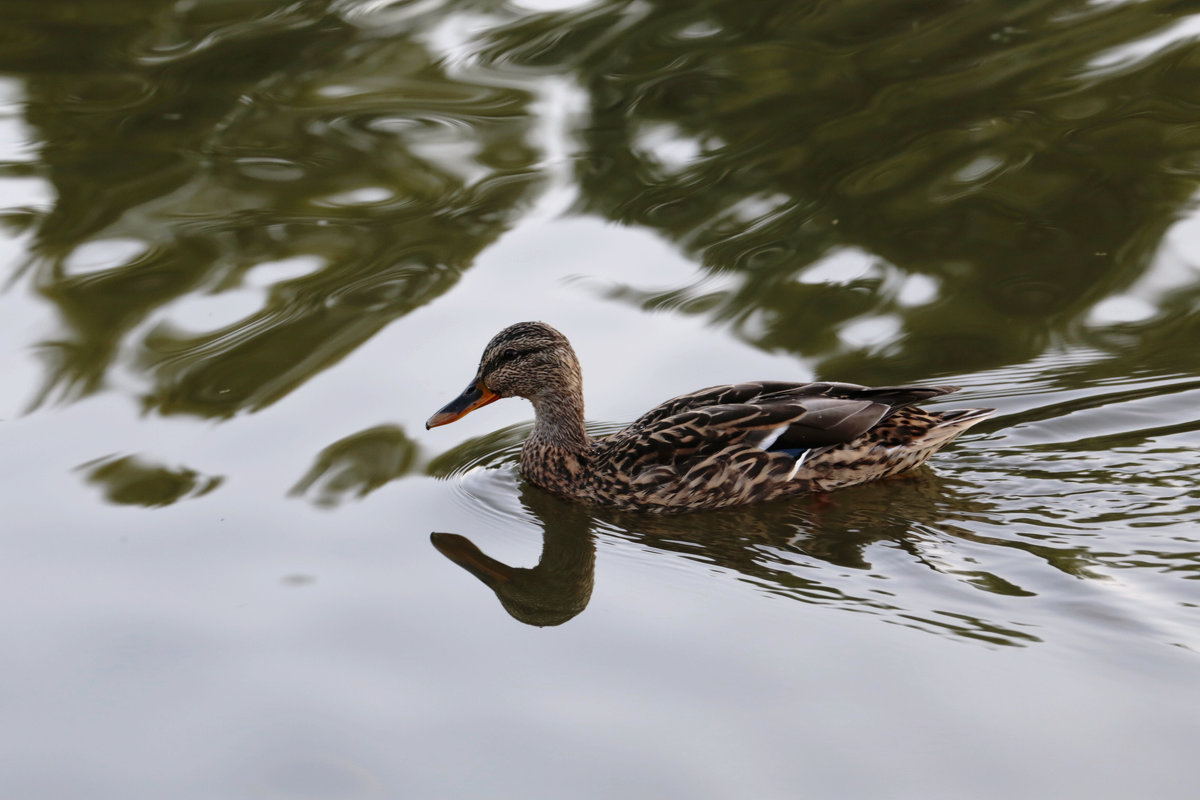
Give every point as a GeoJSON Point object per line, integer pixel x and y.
{"type": "Point", "coordinates": [852, 550]}
{"type": "Point", "coordinates": [555, 590]}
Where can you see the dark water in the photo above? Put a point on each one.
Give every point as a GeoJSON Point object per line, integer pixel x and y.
{"type": "Point", "coordinates": [249, 246]}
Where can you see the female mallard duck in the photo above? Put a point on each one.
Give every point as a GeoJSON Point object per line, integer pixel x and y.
{"type": "Point", "coordinates": [718, 447]}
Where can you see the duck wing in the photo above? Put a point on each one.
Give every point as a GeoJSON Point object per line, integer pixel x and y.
{"type": "Point", "coordinates": [764, 416]}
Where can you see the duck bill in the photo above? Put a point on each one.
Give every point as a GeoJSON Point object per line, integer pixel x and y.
{"type": "Point", "coordinates": [475, 396]}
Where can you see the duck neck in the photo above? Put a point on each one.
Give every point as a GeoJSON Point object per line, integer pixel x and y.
{"type": "Point", "coordinates": [558, 422]}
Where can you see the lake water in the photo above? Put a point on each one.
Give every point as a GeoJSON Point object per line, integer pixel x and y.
{"type": "Point", "coordinates": [250, 246]}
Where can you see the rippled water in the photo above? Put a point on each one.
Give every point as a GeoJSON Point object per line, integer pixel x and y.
{"type": "Point", "coordinates": [250, 246]}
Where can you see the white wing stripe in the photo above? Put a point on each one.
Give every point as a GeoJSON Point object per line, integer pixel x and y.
{"type": "Point", "coordinates": [771, 436]}
{"type": "Point", "coordinates": [799, 463]}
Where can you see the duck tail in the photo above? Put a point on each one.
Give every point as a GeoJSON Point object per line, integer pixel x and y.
{"type": "Point", "coordinates": [951, 423]}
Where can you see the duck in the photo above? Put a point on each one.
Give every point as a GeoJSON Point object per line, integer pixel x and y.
{"type": "Point", "coordinates": [718, 447]}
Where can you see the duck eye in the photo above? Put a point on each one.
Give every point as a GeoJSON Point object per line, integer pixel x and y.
{"type": "Point", "coordinates": [509, 353]}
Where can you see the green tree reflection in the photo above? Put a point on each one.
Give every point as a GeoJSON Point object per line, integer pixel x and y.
{"type": "Point", "coordinates": [963, 181]}
{"type": "Point", "coordinates": [223, 136]}
{"type": "Point", "coordinates": [1003, 150]}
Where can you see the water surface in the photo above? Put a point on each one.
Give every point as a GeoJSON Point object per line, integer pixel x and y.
{"type": "Point", "coordinates": [249, 247]}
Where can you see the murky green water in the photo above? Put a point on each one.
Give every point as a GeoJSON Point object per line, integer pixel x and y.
{"type": "Point", "coordinates": [249, 246]}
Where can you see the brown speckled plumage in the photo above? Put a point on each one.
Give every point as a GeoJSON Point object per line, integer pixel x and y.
{"type": "Point", "coordinates": [718, 447]}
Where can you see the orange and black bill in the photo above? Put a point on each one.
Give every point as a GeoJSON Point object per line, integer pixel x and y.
{"type": "Point", "coordinates": [473, 397]}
